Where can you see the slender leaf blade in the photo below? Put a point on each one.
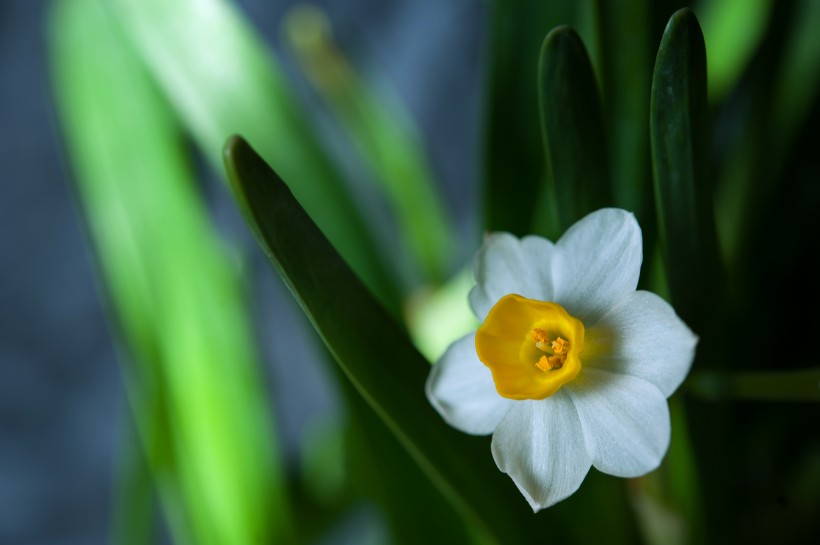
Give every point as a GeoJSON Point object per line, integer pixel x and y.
{"type": "Point", "coordinates": [733, 30]}
{"type": "Point", "coordinates": [683, 192]}
{"type": "Point", "coordinates": [572, 126]}
{"type": "Point", "coordinates": [514, 161]}
{"type": "Point", "coordinates": [193, 378]}
{"type": "Point", "coordinates": [380, 127]}
{"type": "Point", "coordinates": [222, 79]}
{"type": "Point", "coordinates": [374, 352]}
{"type": "Point", "coordinates": [796, 385]}
{"type": "Point", "coordinates": [626, 76]}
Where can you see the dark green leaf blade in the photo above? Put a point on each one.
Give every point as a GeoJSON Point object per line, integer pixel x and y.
{"type": "Point", "coordinates": [626, 71]}
{"type": "Point", "coordinates": [683, 192]}
{"type": "Point", "coordinates": [796, 385]}
{"type": "Point", "coordinates": [573, 130]}
{"type": "Point", "coordinates": [374, 351]}
{"type": "Point", "coordinates": [514, 164]}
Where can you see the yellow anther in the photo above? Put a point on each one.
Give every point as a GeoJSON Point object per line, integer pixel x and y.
{"type": "Point", "coordinates": [556, 350]}
{"type": "Point", "coordinates": [538, 335]}
{"type": "Point", "coordinates": [559, 345]}
{"type": "Point", "coordinates": [548, 363]}
{"type": "Point", "coordinates": [543, 364]}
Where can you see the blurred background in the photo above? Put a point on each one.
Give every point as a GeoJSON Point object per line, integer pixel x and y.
{"type": "Point", "coordinates": [63, 406]}
{"type": "Point", "coordinates": [158, 382]}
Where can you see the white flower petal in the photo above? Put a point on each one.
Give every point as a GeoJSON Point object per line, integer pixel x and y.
{"type": "Point", "coordinates": [625, 421]}
{"type": "Point", "coordinates": [540, 445]}
{"type": "Point", "coordinates": [642, 337]}
{"type": "Point", "coordinates": [598, 261]}
{"type": "Point", "coordinates": [505, 264]}
{"type": "Point", "coordinates": [462, 390]}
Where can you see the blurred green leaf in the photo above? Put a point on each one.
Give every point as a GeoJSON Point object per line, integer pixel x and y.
{"type": "Point", "coordinates": [385, 472]}
{"type": "Point", "coordinates": [192, 378]}
{"type": "Point", "coordinates": [438, 317]}
{"type": "Point", "coordinates": [515, 169]}
{"type": "Point", "coordinates": [798, 77]}
{"type": "Point", "coordinates": [668, 500]}
{"type": "Point", "coordinates": [384, 135]}
{"type": "Point", "coordinates": [733, 30]}
{"type": "Point", "coordinates": [134, 518]}
{"type": "Point", "coordinates": [776, 108]}
{"type": "Point", "coordinates": [376, 355]}
{"type": "Point", "coordinates": [796, 385]}
{"type": "Point", "coordinates": [626, 67]}
{"type": "Point", "coordinates": [222, 79]}
{"type": "Point", "coordinates": [679, 136]}
{"type": "Point", "coordinates": [574, 144]}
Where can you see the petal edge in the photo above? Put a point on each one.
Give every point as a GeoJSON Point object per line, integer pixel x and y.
{"type": "Point", "coordinates": [625, 421]}
{"type": "Point", "coordinates": [462, 390]}
{"type": "Point", "coordinates": [540, 445]}
{"type": "Point", "coordinates": [643, 337]}
{"type": "Point", "coordinates": [598, 262]}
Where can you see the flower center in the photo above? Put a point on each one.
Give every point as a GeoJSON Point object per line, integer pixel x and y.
{"type": "Point", "coordinates": [556, 352]}
{"type": "Point", "coordinates": [531, 347]}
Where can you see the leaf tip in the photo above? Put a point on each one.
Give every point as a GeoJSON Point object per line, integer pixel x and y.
{"type": "Point", "coordinates": [233, 146]}
{"type": "Point", "coordinates": [558, 35]}
{"type": "Point", "coordinates": [685, 18]}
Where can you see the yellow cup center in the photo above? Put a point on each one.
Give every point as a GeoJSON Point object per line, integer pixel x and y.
{"type": "Point", "coordinates": [531, 347]}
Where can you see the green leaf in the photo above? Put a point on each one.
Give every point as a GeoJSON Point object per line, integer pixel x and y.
{"type": "Point", "coordinates": [382, 467]}
{"type": "Point", "coordinates": [438, 317]}
{"type": "Point", "coordinates": [797, 385]}
{"type": "Point", "coordinates": [222, 79]}
{"type": "Point", "coordinates": [683, 193]}
{"type": "Point", "coordinates": [134, 517]}
{"type": "Point", "coordinates": [733, 31]}
{"type": "Point", "coordinates": [626, 77]}
{"type": "Point", "coordinates": [798, 77]}
{"type": "Point", "coordinates": [779, 107]}
{"type": "Point", "coordinates": [573, 130]}
{"type": "Point", "coordinates": [191, 370]}
{"type": "Point", "coordinates": [514, 168]}
{"type": "Point", "coordinates": [375, 353]}
{"type": "Point", "coordinates": [385, 137]}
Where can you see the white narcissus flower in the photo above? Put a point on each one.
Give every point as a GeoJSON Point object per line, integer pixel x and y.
{"type": "Point", "coordinates": [572, 366]}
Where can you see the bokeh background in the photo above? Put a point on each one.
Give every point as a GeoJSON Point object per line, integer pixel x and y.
{"type": "Point", "coordinates": [67, 434]}
{"type": "Point", "coordinates": [62, 402]}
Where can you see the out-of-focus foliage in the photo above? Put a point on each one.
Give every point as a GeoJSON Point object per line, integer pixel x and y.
{"type": "Point", "coordinates": [192, 375]}
{"type": "Point", "coordinates": [707, 135]}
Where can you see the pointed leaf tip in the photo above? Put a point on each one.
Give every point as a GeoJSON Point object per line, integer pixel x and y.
{"type": "Point", "coordinates": [360, 334]}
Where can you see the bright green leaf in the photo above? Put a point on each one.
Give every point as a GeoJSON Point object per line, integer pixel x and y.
{"type": "Point", "coordinates": [733, 30]}
{"type": "Point", "coordinates": [191, 369]}
{"type": "Point", "coordinates": [222, 79]}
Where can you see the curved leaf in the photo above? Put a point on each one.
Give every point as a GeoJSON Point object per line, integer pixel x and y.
{"type": "Point", "coordinates": [374, 352]}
